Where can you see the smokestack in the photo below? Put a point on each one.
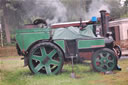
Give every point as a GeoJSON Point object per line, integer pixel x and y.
{"type": "Point", "coordinates": [104, 22]}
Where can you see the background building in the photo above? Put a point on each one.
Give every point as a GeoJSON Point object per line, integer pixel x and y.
{"type": "Point", "coordinates": [119, 29]}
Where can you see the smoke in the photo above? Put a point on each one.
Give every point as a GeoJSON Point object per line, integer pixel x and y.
{"type": "Point", "coordinates": [95, 7]}
{"type": "Point", "coordinates": [51, 10]}
{"type": "Point", "coordinates": [76, 9]}
{"type": "Point", "coordinates": [54, 11]}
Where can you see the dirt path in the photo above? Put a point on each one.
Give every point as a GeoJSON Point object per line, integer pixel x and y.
{"type": "Point", "coordinates": [8, 51]}
{"type": "Point", "coordinates": [11, 58]}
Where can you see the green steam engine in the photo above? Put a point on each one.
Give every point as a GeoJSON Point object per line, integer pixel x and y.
{"type": "Point", "coordinates": [46, 48]}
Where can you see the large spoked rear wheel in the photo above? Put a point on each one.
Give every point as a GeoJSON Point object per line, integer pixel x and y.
{"type": "Point", "coordinates": [45, 58]}
{"type": "Point", "coordinates": [104, 60]}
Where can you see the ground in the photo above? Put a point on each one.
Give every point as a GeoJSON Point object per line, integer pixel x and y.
{"type": "Point", "coordinates": [12, 72]}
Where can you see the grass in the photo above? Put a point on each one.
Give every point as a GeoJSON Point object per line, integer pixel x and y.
{"type": "Point", "coordinates": [12, 72]}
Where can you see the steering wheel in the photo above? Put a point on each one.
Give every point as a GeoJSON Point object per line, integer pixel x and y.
{"type": "Point", "coordinates": [40, 22]}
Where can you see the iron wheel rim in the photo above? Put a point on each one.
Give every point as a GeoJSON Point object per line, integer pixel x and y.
{"type": "Point", "coordinates": [45, 62]}
{"type": "Point", "coordinates": [104, 61]}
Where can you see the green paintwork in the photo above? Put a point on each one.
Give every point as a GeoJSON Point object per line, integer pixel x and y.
{"type": "Point", "coordinates": [84, 43]}
{"type": "Point", "coordinates": [45, 60]}
{"type": "Point", "coordinates": [25, 37]}
{"type": "Point", "coordinates": [61, 44]}
{"type": "Point", "coordinates": [91, 43]}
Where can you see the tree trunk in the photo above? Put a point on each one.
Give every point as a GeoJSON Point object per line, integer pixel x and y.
{"type": "Point", "coordinates": [4, 21]}
{"type": "Point", "coordinates": [7, 32]}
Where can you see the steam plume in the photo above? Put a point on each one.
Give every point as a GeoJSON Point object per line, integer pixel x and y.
{"type": "Point", "coordinates": [95, 7]}
{"type": "Point", "coordinates": [52, 10]}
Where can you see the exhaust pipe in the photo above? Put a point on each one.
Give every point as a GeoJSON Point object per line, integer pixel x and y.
{"type": "Point", "coordinates": [104, 22]}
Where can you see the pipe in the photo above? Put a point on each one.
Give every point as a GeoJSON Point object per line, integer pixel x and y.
{"type": "Point", "coordinates": [104, 22]}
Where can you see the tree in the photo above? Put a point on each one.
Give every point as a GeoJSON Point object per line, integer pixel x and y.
{"type": "Point", "coordinates": [115, 8]}
{"type": "Point", "coordinates": [125, 9]}
{"type": "Point", "coordinates": [14, 10]}
{"type": "Point", "coordinates": [4, 19]}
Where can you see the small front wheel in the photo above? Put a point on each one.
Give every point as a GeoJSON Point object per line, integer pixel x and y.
{"type": "Point", "coordinates": [104, 60]}
{"type": "Point", "coordinates": [45, 58]}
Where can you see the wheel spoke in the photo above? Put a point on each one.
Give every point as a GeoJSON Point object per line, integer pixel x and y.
{"type": "Point", "coordinates": [107, 55]}
{"type": "Point", "coordinates": [34, 57]}
{"type": "Point", "coordinates": [52, 53]}
{"type": "Point", "coordinates": [104, 67]}
{"type": "Point", "coordinates": [43, 51]}
{"type": "Point", "coordinates": [38, 67]}
{"type": "Point", "coordinates": [54, 62]}
{"type": "Point", "coordinates": [110, 61]}
{"type": "Point", "coordinates": [98, 60]}
{"type": "Point", "coordinates": [107, 66]}
{"type": "Point", "coordinates": [48, 69]}
{"type": "Point", "coordinates": [101, 55]}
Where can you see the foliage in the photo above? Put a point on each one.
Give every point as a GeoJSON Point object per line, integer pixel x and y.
{"type": "Point", "coordinates": [125, 10]}
{"type": "Point", "coordinates": [115, 8]}
{"type": "Point", "coordinates": [125, 15]}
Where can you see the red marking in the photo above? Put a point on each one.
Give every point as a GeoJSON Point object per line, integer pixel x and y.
{"type": "Point", "coordinates": [68, 24]}
{"type": "Point", "coordinates": [98, 46]}
{"type": "Point", "coordinates": [30, 26]}
{"type": "Point", "coordinates": [23, 51]}
{"type": "Point", "coordinates": [65, 25]}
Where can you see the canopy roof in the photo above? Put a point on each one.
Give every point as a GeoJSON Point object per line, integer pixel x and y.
{"type": "Point", "coordinates": [70, 33]}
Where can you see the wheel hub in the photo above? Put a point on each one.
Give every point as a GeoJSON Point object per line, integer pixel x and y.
{"type": "Point", "coordinates": [45, 60]}
{"type": "Point", "coordinates": [104, 61]}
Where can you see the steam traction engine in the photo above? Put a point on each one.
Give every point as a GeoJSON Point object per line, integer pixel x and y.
{"type": "Point", "coordinates": [45, 49]}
